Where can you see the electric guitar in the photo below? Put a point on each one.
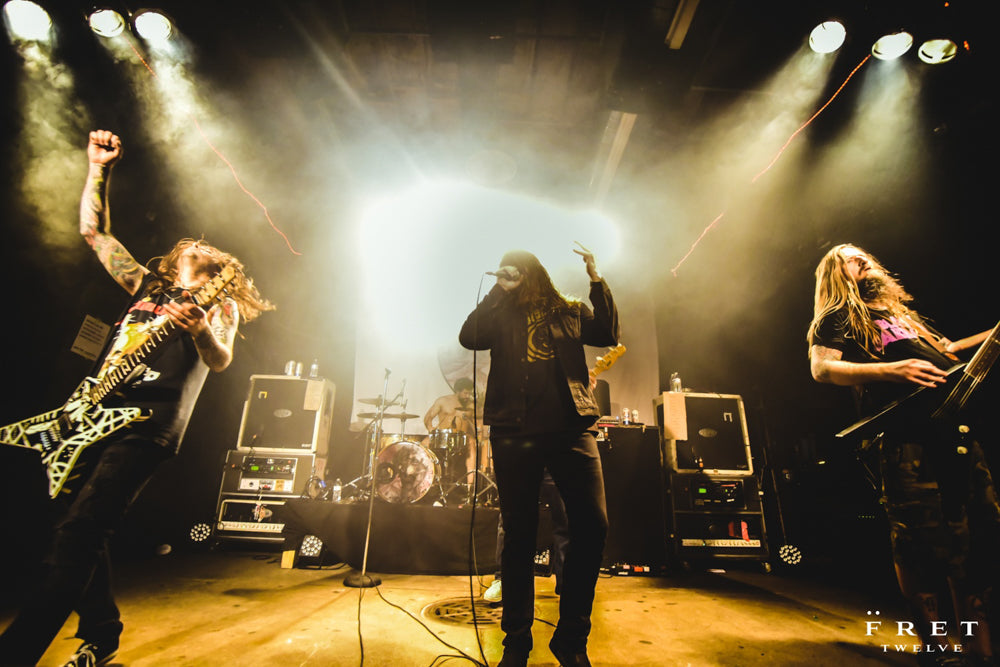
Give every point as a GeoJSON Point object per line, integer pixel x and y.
{"type": "Point", "coordinates": [962, 380]}
{"type": "Point", "coordinates": [61, 435]}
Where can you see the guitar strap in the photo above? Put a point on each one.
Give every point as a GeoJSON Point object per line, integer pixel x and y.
{"type": "Point", "coordinates": [931, 337]}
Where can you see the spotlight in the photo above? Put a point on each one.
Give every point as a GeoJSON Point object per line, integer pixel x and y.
{"type": "Point", "coordinates": [790, 555]}
{"type": "Point", "coordinates": [827, 37]}
{"type": "Point", "coordinates": [936, 51]}
{"type": "Point", "coordinates": [106, 22]}
{"type": "Point", "coordinates": [893, 45]}
{"type": "Point", "coordinates": [311, 546]}
{"type": "Point", "coordinates": [153, 25]}
{"type": "Point", "coordinates": [27, 20]}
{"type": "Point", "coordinates": [200, 532]}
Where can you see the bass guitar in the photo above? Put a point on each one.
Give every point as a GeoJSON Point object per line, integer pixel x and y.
{"type": "Point", "coordinates": [608, 359]}
{"type": "Point", "coordinates": [61, 435]}
{"type": "Point", "coordinates": [943, 402]}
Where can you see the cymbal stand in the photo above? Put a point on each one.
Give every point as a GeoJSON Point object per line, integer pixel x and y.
{"type": "Point", "coordinates": [361, 579]}
{"type": "Point", "coordinates": [367, 478]}
{"type": "Point", "coordinates": [470, 487]}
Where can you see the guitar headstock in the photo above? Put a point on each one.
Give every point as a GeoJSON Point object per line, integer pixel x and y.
{"type": "Point", "coordinates": [211, 289]}
{"type": "Point", "coordinates": [605, 362]}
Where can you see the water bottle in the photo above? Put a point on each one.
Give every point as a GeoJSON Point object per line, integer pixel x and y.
{"type": "Point", "coordinates": [314, 369]}
{"type": "Point", "coordinates": [675, 382]}
{"type": "Point", "coordinates": [337, 490]}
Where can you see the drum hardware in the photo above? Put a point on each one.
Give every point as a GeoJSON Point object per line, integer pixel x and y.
{"type": "Point", "coordinates": [482, 491]}
{"type": "Point", "coordinates": [362, 579]}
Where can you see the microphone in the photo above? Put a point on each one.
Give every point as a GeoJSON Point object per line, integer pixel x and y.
{"type": "Point", "coordinates": [502, 273]}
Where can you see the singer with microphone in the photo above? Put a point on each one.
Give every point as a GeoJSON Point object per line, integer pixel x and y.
{"type": "Point", "coordinates": [541, 413]}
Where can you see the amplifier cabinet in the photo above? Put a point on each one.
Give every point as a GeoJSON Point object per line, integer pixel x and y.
{"type": "Point", "coordinates": [252, 519]}
{"type": "Point", "coordinates": [283, 413]}
{"type": "Point", "coordinates": [633, 488]}
{"type": "Point", "coordinates": [268, 473]}
{"type": "Point", "coordinates": [716, 517]}
{"type": "Point", "coordinates": [703, 433]}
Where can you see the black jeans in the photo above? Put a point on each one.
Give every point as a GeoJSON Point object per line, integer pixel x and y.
{"type": "Point", "coordinates": [575, 465]}
{"type": "Point", "coordinates": [560, 531]}
{"type": "Point", "coordinates": [78, 574]}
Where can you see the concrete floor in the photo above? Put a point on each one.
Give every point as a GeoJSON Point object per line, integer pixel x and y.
{"type": "Point", "coordinates": [236, 605]}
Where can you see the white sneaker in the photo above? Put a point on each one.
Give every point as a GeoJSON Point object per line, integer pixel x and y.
{"type": "Point", "coordinates": [494, 593]}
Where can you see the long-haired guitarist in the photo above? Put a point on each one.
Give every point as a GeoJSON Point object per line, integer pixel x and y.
{"type": "Point", "coordinates": [938, 491]}
{"type": "Point", "coordinates": [178, 325]}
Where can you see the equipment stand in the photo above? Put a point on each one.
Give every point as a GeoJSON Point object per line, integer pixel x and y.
{"type": "Point", "coordinates": [362, 579]}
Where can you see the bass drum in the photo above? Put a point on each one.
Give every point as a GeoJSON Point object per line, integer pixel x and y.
{"type": "Point", "coordinates": [405, 472]}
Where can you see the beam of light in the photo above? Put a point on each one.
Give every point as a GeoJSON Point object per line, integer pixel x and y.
{"type": "Point", "coordinates": [179, 102]}
{"type": "Point", "coordinates": [774, 160]}
{"type": "Point", "coordinates": [48, 165]}
{"type": "Point", "coordinates": [28, 21]}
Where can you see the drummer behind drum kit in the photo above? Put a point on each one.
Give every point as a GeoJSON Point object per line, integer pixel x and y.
{"type": "Point", "coordinates": [413, 469]}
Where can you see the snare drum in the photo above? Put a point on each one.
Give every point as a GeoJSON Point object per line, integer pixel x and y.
{"type": "Point", "coordinates": [405, 472]}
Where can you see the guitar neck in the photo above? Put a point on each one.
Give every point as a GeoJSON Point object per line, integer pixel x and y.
{"type": "Point", "coordinates": [972, 374]}
{"type": "Point", "coordinates": [131, 361]}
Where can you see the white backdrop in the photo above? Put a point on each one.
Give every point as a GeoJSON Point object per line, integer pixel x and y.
{"type": "Point", "coordinates": [424, 254]}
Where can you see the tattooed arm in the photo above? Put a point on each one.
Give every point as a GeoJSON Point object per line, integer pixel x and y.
{"type": "Point", "coordinates": [213, 332]}
{"type": "Point", "coordinates": [828, 365]}
{"type": "Point", "coordinates": [103, 151]}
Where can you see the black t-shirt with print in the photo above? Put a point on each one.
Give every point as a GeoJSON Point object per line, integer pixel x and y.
{"type": "Point", "coordinates": [899, 341]}
{"type": "Point", "coordinates": [168, 383]}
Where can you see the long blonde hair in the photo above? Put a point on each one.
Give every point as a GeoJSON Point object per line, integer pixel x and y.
{"type": "Point", "coordinates": [836, 290]}
{"type": "Point", "coordinates": [242, 290]}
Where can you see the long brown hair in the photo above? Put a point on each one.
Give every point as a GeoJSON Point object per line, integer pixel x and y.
{"type": "Point", "coordinates": [836, 290]}
{"type": "Point", "coordinates": [242, 289]}
{"type": "Point", "coordinates": [537, 290]}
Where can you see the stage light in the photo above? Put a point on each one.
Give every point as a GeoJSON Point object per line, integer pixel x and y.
{"type": "Point", "coordinates": [200, 532]}
{"type": "Point", "coordinates": [27, 21]}
{"type": "Point", "coordinates": [892, 46]}
{"type": "Point", "coordinates": [311, 546]}
{"type": "Point", "coordinates": [153, 26]}
{"type": "Point", "coordinates": [106, 22]}
{"type": "Point", "coordinates": [790, 555]}
{"type": "Point", "coordinates": [827, 37]}
{"type": "Point", "coordinates": [936, 51]}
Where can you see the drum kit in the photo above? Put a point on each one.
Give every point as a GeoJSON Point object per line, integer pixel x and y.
{"type": "Point", "coordinates": [419, 469]}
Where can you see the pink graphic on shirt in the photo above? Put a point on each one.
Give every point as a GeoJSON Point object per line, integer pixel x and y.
{"type": "Point", "coordinates": [894, 330]}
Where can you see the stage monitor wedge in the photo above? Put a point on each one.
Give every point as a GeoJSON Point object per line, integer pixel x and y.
{"type": "Point", "coordinates": [285, 413]}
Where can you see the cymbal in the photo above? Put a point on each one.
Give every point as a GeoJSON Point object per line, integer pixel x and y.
{"type": "Point", "coordinates": [374, 401]}
{"type": "Point", "coordinates": [400, 415]}
{"type": "Point", "coordinates": [387, 415]}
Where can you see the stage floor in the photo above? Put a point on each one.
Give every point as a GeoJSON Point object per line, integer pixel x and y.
{"type": "Point", "coordinates": [236, 605]}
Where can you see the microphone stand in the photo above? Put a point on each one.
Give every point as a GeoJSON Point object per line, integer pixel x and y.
{"type": "Point", "coordinates": [362, 579]}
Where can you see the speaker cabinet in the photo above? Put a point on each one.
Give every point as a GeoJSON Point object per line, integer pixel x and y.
{"type": "Point", "coordinates": [283, 413]}
{"type": "Point", "coordinates": [633, 488]}
{"type": "Point", "coordinates": [704, 433]}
